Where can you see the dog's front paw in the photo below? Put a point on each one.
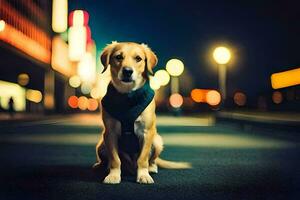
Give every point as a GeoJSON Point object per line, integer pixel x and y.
{"type": "Point", "coordinates": [144, 177]}
{"type": "Point", "coordinates": [112, 179]}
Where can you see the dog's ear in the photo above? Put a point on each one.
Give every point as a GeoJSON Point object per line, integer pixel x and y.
{"type": "Point", "coordinates": [105, 55]}
{"type": "Point", "coordinates": [151, 59]}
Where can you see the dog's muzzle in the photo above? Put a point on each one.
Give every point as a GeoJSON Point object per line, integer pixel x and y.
{"type": "Point", "coordinates": [127, 74]}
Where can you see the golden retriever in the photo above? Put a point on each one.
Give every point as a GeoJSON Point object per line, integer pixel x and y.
{"type": "Point", "coordinates": [130, 65]}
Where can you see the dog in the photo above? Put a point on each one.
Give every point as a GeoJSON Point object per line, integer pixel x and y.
{"type": "Point", "coordinates": [128, 115]}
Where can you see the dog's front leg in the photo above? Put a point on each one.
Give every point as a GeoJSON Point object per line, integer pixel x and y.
{"type": "Point", "coordinates": [143, 175]}
{"type": "Point", "coordinates": [111, 143]}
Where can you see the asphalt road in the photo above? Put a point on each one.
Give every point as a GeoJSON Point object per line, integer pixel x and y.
{"type": "Point", "coordinates": [52, 159]}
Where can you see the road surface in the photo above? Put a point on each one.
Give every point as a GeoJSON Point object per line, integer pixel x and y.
{"type": "Point", "coordinates": [52, 159]}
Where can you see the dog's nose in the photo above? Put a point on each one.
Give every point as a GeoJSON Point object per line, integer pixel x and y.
{"type": "Point", "coordinates": [127, 71]}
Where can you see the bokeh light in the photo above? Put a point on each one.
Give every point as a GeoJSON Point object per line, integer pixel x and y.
{"type": "Point", "coordinates": [78, 18]}
{"type": "Point", "coordinates": [75, 81]}
{"type": "Point", "coordinates": [213, 97]}
{"type": "Point", "coordinates": [23, 79]}
{"type": "Point", "coordinates": [86, 88]}
{"type": "Point", "coordinates": [154, 83]}
{"type": "Point", "coordinates": [240, 98]}
{"type": "Point", "coordinates": [2, 25]}
{"type": "Point", "coordinates": [73, 101]}
{"type": "Point", "coordinates": [176, 100]}
{"type": "Point", "coordinates": [163, 77]}
{"type": "Point", "coordinates": [83, 103]}
{"type": "Point", "coordinates": [34, 96]}
{"type": "Point", "coordinates": [277, 97]}
{"type": "Point", "coordinates": [198, 95]}
{"type": "Point", "coordinates": [285, 79]}
{"type": "Point", "coordinates": [96, 93]}
{"type": "Point", "coordinates": [59, 15]}
{"type": "Point", "coordinates": [93, 104]}
{"type": "Point", "coordinates": [222, 55]}
{"type": "Point", "coordinates": [175, 67]}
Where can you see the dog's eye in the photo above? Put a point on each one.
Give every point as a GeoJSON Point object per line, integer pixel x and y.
{"type": "Point", "coordinates": [138, 58]}
{"type": "Point", "coordinates": [119, 57]}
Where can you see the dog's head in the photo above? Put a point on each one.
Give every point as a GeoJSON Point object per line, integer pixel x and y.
{"type": "Point", "coordinates": [130, 63]}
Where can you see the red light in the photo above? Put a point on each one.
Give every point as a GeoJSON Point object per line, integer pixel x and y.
{"type": "Point", "coordinates": [73, 18]}
{"type": "Point", "coordinates": [73, 101]}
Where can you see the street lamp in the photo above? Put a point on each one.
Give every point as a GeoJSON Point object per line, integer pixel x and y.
{"type": "Point", "coordinates": [222, 56]}
{"type": "Point", "coordinates": [175, 68]}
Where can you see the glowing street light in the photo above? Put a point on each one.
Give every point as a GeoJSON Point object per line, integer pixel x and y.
{"type": "Point", "coordinates": [222, 56]}
{"type": "Point", "coordinates": [175, 67]}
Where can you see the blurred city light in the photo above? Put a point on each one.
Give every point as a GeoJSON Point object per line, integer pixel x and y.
{"type": "Point", "coordinates": [75, 81]}
{"type": "Point", "coordinates": [96, 93]}
{"type": "Point", "coordinates": [14, 91]}
{"type": "Point", "coordinates": [87, 68]}
{"type": "Point", "coordinates": [59, 59]}
{"type": "Point", "coordinates": [277, 97]}
{"type": "Point", "coordinates": [163, 77]}
{"type": "Point", "coordinates": [222, 55]}
{"type": "Point", "coordinates": [199, 95]}
{"type": "Point", "coordinates": [73, 102]}
{"type": "Point", "coordinates": [34, 95]}
{"type": "Point", "coordinates": [213, 97]}
{"type": "Point", "coordinates": [78, 18]}
{"type": "Point", "coordinates": [154, 83]}
{"type": "Point", "coordinates": [23, 79]}
{"type": "Point", "coordinates": [86, 88]}
{"type": "Point", "coordinates": [240, 98]}
{"type": "Point", "coordinates": [83, 103]}
{"type": "Point", "coordinates": [175, 67]}
{"type": "Point", "coordinates": [285, 79]}
{"type": "Point", "coordinates": [2, 25]}
{"type": "Point", "coordinates": [38, 47]}
{"type": "Point", "coordinates": [59, 15]}
{"type": "Point", "coordinates": [77, 42]}
{"type": "Point", "coordinates": [93, 104]}
{"type": "Point", "coordinates": [176, 100]}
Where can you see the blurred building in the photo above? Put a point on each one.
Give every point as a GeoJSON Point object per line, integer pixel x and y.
{"type": "Point", "coordinates": [30, 73]}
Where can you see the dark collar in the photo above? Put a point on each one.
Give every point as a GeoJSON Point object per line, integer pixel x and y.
{"type": "Point", "coordinates": [128, 106]}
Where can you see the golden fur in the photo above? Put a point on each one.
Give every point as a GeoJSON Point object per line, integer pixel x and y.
{"type": "Point", "coordinates": [142, 60]}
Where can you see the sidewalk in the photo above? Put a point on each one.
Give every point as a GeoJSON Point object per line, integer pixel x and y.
{"type": "Point", "coordinates": [288, 122]}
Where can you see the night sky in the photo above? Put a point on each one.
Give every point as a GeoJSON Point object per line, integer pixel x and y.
{"type": "Point", "coordinates": [264, 35]}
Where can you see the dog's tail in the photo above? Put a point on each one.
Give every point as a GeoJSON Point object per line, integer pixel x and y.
{"type": "Point", "coordinates": [172, 165]}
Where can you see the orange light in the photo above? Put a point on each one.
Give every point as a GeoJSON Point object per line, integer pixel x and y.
{"type": "Point", "coordinates": [24, 43]}
{"type": "Point", "coordinates": [213, 97]}
{"type": "Point", "coordinates": [34, 96]}
{"type": "Point", "coordinates": [93, 104]}
{"type": "Point", "coordinates": [277, 97]}
{"type": "Point", "coordinates": [83, 103]}
{"type": "Point", "coordinates": [285, 79]}
{"type": "Point", "coordinates": [23, 79]}
{"type": "Point", "coordinates": [176, 100]}
{"type": "Point", "coordinates": [199, 95]}
{"type": "Point", "coordinates": [73, 101]}
{"type": "Point", "coordinates": [240, 98]}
